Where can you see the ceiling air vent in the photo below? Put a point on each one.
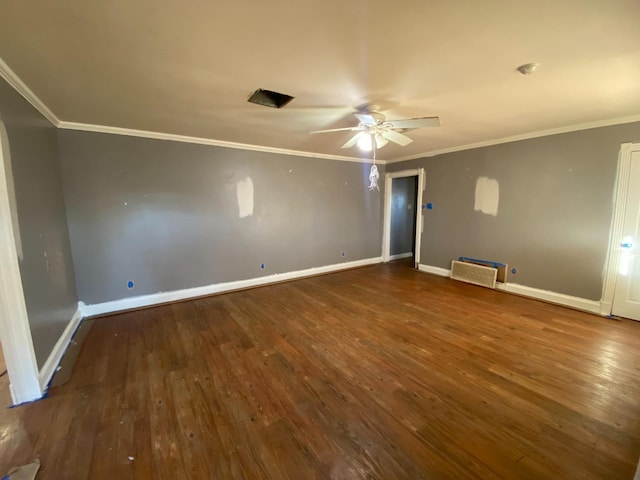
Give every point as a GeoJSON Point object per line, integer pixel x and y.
{"type": "Point", "coordinates": [269, 98]}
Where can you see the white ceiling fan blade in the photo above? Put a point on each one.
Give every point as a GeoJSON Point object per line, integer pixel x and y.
{"type": "Point", "coordinates": [365, 118]}
{"type": "Point", "coordinates": [416, 122]}
{"type": "Point", "coordinates": [396, 137]}
{"type": "Point", "coordinates": [352, 141]}
{"type": "Point", "coordinates": [336, 130]}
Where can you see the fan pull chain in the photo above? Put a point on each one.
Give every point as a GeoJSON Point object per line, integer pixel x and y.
{"type": "Point", "coordinates": [374, 175]}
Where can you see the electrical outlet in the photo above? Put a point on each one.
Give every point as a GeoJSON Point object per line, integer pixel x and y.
{"type": "Point", "coordinates": [262, 266]}
{"type": "Point", "coordinates": [343, 254]}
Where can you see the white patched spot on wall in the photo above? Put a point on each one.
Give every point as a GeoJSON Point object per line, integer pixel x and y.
{"type": "Point", "coordinates": [487, 196]}
{"type": "Point", "coordinates": [244, 193]}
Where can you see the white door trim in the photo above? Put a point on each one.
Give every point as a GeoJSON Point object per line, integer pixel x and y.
{"type": "Point", "coordinates": [620, 200]}
{"type": "Point", "coordinates": [15, 333]}
{"type": "Point", "coordinates": [386, 233]}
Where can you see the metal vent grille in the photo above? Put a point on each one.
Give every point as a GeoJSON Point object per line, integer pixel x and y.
{"type": "Point", "coordinates": [269, 98]}
{"type": "Point", "coordinates": [476, 274]}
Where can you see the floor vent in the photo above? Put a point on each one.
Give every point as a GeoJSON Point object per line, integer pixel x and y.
{"type": "Point", "coordinates": [472, 273]}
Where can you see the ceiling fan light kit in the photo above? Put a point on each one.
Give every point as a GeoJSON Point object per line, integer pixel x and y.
{"type": "Point", "coordinates": [374, 131]}
{"type": "Point", "coordinates": [373, 126]}
{"type": "Point", "coordinates": [381, 141]}
{"type": "Point", "coordinates": [364, 142]}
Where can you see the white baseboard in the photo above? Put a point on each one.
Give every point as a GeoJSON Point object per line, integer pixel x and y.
{"type": "Point", "coordinates": [591, 306]}
{"type": "Point", "coordinates": [605, 309]}
{"type": "Point", "coordinates": [166, 297]}
{"type": "Point", "coordinates": [443, 272]}
{"type": "Point", "coordinates": [49, 368]}
{"type": "Point", "coordinates": [398, 256]}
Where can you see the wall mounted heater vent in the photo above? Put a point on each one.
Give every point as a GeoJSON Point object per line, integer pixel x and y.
{"type": "Point", "coordinates": [472, 273]}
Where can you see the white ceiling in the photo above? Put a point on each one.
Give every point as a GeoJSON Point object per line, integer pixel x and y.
{"type": "Point", "coordinates": [187, 67]}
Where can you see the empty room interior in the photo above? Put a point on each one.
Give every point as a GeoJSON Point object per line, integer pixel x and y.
{"type": "Point", "coordinates": [320, 240]}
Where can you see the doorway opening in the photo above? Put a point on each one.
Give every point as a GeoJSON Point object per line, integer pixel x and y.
{"type": "Point", "coordinates": [402, 241]}
{"type": "Point", "coordinates": [403, 216]}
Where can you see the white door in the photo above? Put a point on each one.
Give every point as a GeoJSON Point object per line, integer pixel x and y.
{"type": "Point", "coordinates": [626, 300]}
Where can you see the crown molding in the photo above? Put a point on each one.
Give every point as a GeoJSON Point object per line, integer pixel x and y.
{"type": "Point", "coordinates": [85, 127]}
{"type": "Point", "coordinates": [12, 79]}
{"type": "Point", "coordinates": [526, 136]}
{"type": "Point", "coordinates": [20, 87]}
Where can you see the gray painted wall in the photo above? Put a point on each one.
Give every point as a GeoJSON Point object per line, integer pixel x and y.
{"type": "Point", "coordinates": [45, 264]}
{"type": "Point", "coordinates": [403, 214]}
{"type": "Point", "coordinates": [554, 214]}
{"type": "Point", "coordinates": [165, 214]}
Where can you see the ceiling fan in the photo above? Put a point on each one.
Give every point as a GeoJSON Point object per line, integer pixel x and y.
{"type": "Point", "coordinates": [374, 127]}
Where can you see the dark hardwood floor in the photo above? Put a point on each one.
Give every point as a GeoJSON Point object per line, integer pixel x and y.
{"type": "Point", "coordinates": [375, 373]}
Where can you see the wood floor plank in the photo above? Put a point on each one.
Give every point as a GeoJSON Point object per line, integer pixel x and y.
{"type": "Point", "coordinates": [375, 373]}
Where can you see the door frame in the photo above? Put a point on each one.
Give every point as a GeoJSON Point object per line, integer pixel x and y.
{"type": "Point", "coordinates": [386, 228]}
{"type": "Point", "coordinates": [15, 332]}
{"type": "Point", "coordinates": [619, 206]}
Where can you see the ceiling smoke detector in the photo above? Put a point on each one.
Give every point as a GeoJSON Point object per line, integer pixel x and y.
{"type": "Point", "coordinates": [528, 68]}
